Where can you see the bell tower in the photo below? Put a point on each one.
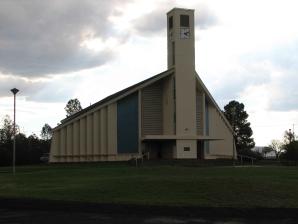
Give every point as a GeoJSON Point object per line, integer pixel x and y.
{"type": "Point", "coordinates": [181, 57]}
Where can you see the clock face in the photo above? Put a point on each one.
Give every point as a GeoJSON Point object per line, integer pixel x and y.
{"type": "Point", "coordinates": [184, 33]}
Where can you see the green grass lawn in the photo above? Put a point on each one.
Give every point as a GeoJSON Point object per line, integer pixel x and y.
{"type": "Point", "coordinates": [156, 185]}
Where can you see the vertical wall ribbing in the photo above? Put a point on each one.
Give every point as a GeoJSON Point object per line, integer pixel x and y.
{"type": "Point", "coordinates": [89, 135]}
{"type": "Point", "coordinates": [112, 129]}
{"type": "Point", "coordinates": [103, 131]}
{"type": "Point", "coordinates": [168, 106]}
{"type": "Point", "coordinates": [199, 113]}
{"type": "Point", "coordinates": [76, 141]}
{"type": "Point", "coordinates": [96, 131]}
{"type": "Point", "coordinates": [62, 144]}
{"type": "Point", "coordinates": [69, 143]}
{"type": "Point", "coordinates": [152, 109]}
{"type": "Point", "coordinates": [82, 139]}
{"type": "Point", "coordinates": [55, 147]}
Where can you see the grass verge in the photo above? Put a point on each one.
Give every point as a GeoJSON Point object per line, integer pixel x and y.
{"type": "Point", "coordinates": [244, 187]}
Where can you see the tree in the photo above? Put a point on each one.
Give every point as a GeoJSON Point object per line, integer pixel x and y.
{"type": "Point", "coordinates": [6, 131]}
{"type": "Point", "coordinates": [237, 116]}
{"type": "Point", "coordinates": [46, 136]}
{"type": "Point", "coordinates": [291, 151]}
{"type": "Point", "coordinates": [73, 106]}
{"type": "Point", "coordinates": [46, 132]}
{"type": "Point", "coordinates": [289, 137]}
{"type": "Point", "coordinates": [277, 147]}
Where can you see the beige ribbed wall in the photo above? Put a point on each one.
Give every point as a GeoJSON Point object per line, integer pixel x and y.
{"type": "Point", "coordinates": [96, 135]}
{"type": "Point", "coordinates": [92, 137]}
{"type": "Point", "coordinates": [103, 132]}
{"type": "Point", "coordinates": [89, 137]}
{"type": "Point", "coordinates": [69, 143]}
{"type": "Point", "coordinates": [55, 145]}
{"type": "Point", "coordinates": [168, 106]}
{"type": "Point", "coordinates": [200, 101]}
{"type": "Point", "coordinates": [83, 139]}
{"type": "Point", "coordinates": [152, 109]}
{"type": "Point", "coordinates": [76, 141]}
{"type": "Point", "coordinates": [62, 148]}
{"type": "Point", "coordinates": [112, 129]}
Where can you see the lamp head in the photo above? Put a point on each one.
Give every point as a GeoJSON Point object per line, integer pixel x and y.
{"type": "Point", "coordinates": [14, 91]}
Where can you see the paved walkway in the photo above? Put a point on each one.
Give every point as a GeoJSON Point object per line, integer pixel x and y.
{"type": "Point", "coordinates": [55, 217]}
{"type": "Point", "coordinates": [24, 211]}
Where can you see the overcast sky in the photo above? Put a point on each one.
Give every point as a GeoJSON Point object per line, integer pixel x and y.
{"type": "Point", "coordinates": [57, 50]}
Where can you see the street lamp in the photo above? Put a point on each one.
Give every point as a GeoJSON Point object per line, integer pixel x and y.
{"type": "Point", "coordinates": [14, 91]}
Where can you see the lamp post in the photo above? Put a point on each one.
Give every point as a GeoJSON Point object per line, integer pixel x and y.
{"type": "Point", "coordinates": [14, 91]}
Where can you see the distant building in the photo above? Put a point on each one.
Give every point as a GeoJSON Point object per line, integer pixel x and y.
{"type": "Point", "coordinates": [266, 155]}
{"type": "Point", "coordinates": [258, 149]}
{"type": "Point", "coordinates": [270, 155]}
{"type": "Point", "coordinates": [171, 115]}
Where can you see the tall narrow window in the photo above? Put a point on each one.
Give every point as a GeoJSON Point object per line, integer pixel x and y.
{"type": "Point", "coordinates": [206, 118]}
{"type": "Point", "coordinates": [171, 22]}
{"type": "Point", "coordinates": [173, 53]}
{"type": "Point", "coordinates": [174, 106]}
{"type": "Point", "coordinates": [184, 20]}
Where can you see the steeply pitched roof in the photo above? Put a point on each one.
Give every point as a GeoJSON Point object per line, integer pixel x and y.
{"type": "Point", "coordinates": [117, 94]}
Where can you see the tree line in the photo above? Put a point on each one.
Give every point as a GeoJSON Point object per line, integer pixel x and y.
{"type": "Point", "coordinates": [237, 117]}
{"type": "Point", "coordinates": [29, 149]}
{"type": "Point", "coordinates": [287, 149]}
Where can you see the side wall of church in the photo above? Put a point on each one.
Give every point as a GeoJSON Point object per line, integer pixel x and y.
{"type": "Point", "coordinates": [91, 137]}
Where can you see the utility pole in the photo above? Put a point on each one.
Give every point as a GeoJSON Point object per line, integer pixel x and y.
{"type": "Point", "coordinates": [293, 132]}
{"type": "Point", "coordinates": [14, 91]}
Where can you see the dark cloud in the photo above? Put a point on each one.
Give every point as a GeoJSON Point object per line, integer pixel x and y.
{"type": "Point", "coordinates": [43, 37]}
{"type": "Point", "coordinates": [9, 82]}
{"type": "Point", "coordinates": [155, 22]}
{"type": "Point", "coordinates": [49, 90]}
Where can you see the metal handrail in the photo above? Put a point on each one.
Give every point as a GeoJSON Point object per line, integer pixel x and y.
{"type": "Point", "coordinates": [247, 157]}
{"type": "Point", "coordinates": [136, 158]}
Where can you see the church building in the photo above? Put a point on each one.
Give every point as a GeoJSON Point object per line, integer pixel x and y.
{"type": "Point", "coordinates": [171, 115]}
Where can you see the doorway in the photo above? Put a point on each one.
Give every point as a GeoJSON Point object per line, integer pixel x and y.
{"type": "Point", "coordinates": [200, 149]}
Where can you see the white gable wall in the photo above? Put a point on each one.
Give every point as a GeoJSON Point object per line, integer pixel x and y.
{"type": "Point", "coordinates": [218, 129]}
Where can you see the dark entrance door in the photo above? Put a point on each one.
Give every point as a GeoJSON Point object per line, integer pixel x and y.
{"type": "Point", "coordinates": [154, 148]}
{"type": "Point", "coordinates": [200, 149]}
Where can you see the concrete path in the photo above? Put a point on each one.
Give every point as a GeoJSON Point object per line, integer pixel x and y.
{"type": "Point", "coordinates": [55, 217]}
{"type": "Point", "coordinates": [27, 211]}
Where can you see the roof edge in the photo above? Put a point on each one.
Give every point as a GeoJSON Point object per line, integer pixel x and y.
{"type": "Point", "coordinates": [177, 8]}
{"type": "Point", "coordinates": [115, 95]}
